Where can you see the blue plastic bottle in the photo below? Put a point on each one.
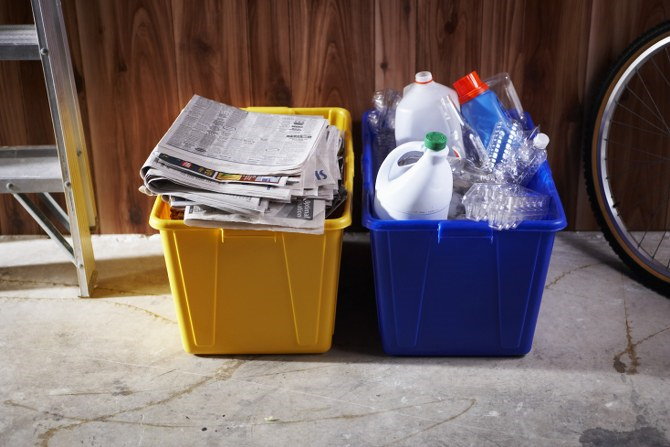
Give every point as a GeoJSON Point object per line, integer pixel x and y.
{"type": "Point", "coordinates": [483, 111]}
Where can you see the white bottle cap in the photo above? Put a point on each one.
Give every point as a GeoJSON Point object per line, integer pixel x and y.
{"type": "Point", "coordinates": [423, 77]}
{"type": "Point", "coordinates": [541, 141]}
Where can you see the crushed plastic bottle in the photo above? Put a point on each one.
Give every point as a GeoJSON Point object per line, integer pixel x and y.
{"type": "Point", "coordinates": [506, 139]}
{"type": "Point", "coordinates": [466, 174]}
{"type": "Point", "coordinates": [382, 121]}
{"type": "Point", "coordinates": [385, 103]}
{"type": "Point", "coordinates": [471, 146]}
{"type": "Point", "coordinates": [500, 133]}
{"type": "Point", "coordinates": [504, 206]}
{"type": "Point", "coordinates": [520, 165]}
{"type": "Point", "coordinates": [501, 84]}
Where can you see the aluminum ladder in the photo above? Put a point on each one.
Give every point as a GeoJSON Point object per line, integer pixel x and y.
{"type": "Point", "coordinates": [64, 166]}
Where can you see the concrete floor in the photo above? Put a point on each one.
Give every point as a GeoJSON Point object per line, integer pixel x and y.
{"type": "Point", "coordinates": [111, 371]}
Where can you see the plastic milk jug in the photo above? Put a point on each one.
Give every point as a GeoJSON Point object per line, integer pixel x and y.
{"type": "Point", "coordinates": [419, 111]}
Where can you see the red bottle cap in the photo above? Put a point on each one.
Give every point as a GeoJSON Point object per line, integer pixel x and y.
{"type": "Point", "coordinates": [469, 86]}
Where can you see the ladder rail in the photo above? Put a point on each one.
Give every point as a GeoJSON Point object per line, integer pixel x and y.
{"type": "Point", "coordinates": [70, 141]}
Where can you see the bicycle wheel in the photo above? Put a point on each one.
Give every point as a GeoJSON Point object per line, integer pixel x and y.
{"type": "Point", "coordinates": [627, 157]}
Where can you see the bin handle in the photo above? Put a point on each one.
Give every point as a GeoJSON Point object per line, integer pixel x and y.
{"type": "Point", "coordinates": [446, 230]}
{"type": "Point", "coordinates": [248, 234]}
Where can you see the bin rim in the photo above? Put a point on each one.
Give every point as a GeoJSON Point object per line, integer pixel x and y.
{"type": "Point", "coordinates": [158, 223]}
{"type": "Point", "coordinates": [456, 226]}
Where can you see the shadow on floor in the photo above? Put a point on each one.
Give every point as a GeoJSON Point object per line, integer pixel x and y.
{"type": "Point", "coordinates": [132, 276]}
{"type": "Point", "coordinates": [356, 337]}
{"type": "Point", "coordinates": [607, 257]}
{"type": "Point", "coordinates": [142, 275]}
{"type": "Point", "coordinates": [357, 340]}
{"type": "Point", "coordinates": [356, 325]}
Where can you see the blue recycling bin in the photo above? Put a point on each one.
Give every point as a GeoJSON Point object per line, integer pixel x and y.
{"type": "Point", "coordinates": [458, 287]}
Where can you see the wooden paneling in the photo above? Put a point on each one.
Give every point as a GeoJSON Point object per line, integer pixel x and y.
{"type": "Point", "coordinates": [332, 61]}
{"type": "Point", "coordinates": [332, 54]}
{"type": "Point", "coordinates": [212, 51]}
{"type": "Point", "coordinates": [128, 60]}
{"type": "Point", "coordinates": [270, 52]}
{"type": "Point", "coordinates": [137, 62]}
{"type": "Point", "coordinates": [554, 67]}
{"type": "Point", "coordinates": [503, 40]}
{"type": "Point", "coordinates": [449, 38]}
{"type": "Point", "coordinates": [395, 43]}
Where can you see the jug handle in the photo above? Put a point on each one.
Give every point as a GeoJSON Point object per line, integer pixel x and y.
{"type": "Point", "coordinates": [391, 171]}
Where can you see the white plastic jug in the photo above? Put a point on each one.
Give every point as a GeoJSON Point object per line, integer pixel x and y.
{"type": "Point", "coordinates": [420, 112]}
{"type": "Point", "coordinates": [407, 190]}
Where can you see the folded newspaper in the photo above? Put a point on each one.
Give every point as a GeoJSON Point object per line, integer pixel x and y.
{"type": "Point", "coordinates": [229, 168]}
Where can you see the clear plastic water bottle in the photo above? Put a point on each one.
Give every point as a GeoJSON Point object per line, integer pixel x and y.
{"type": "Point", "coordinates": [504, 206]}
{"type": "Point", "coordinates": [471, 147]}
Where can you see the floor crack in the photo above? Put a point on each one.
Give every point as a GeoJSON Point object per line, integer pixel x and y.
{"type": "Point", "coordinates": [620, 366]}
{"type": "Point", "coordinates": [223, 373]}
{"type": "Point", "coordinates": [630, 350]}
{"type": "Point", "coordinates": [33, 282]}
{"type": "Point", "coordinates": [437, 424]}
{"type": "Point", "coordinates": [569, 272]}
{"type": "Point", "coordinates": [95, 300]}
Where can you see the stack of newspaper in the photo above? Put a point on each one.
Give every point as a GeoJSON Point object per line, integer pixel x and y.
{"type": "Point", "coordinates": [229, 168]}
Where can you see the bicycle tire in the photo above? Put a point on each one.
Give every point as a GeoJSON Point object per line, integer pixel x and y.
{"type": "Point", "coordinates": [643, 272]}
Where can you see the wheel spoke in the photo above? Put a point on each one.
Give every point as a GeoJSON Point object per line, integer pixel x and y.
{"type": "Point", "coordinates": [660, 72]}
{"type": "Point", "coordinates": [653, 256]}
{"type": "Point", "coordinates": [641, 240]}
{"type": "Point", "coordinates": [658, 162]}
{"type": "Point", "coordinates": [665, 222]}
{"type": "Point", "coordinates": [618, 143]}
{"type": "Point", "coordinates": [639, 128]}
{"type": "Point", "coordinates": [636, 165]}
{"type": "Point", "coordinates": [663, 131]}
{"type": "Point", "coordinates": [660, 157]}
{"type": "Point", "coordinates": [644, 84]}
{"type": "Point", "coordinates": [644, 103]}
{"type": "Point", "coordinates": [653, 216]}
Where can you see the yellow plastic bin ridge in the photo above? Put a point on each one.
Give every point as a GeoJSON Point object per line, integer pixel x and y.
{"type": "Point", "coordinates": [257, 292]}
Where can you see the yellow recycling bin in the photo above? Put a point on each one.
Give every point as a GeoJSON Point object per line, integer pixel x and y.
{"type": "Point", "coordinates": [257, 292]}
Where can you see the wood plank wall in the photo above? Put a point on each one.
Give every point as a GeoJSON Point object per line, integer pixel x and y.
{"type": "Point", "coordinates": [137, 62]}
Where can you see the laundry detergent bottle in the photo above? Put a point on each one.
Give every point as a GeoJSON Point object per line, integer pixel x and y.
{"type": "Point", "coordinates": [409, 189]}
{"type": "Point", "coordinates": [485, 114]}
{"type": "Point", "coordinates": [420, 112]}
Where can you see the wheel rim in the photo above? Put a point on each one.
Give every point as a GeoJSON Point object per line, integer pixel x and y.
{"type": "Point", "coordinates": [631, 242]}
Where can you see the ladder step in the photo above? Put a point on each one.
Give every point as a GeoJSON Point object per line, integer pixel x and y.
{"type": "Point", "coordinates": [18, 43]}
{"type": "Point", "coordinates": [30, 169]}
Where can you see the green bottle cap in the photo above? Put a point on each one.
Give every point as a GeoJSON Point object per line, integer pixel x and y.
{"type": "Point", "coordinates": [435, 141]}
